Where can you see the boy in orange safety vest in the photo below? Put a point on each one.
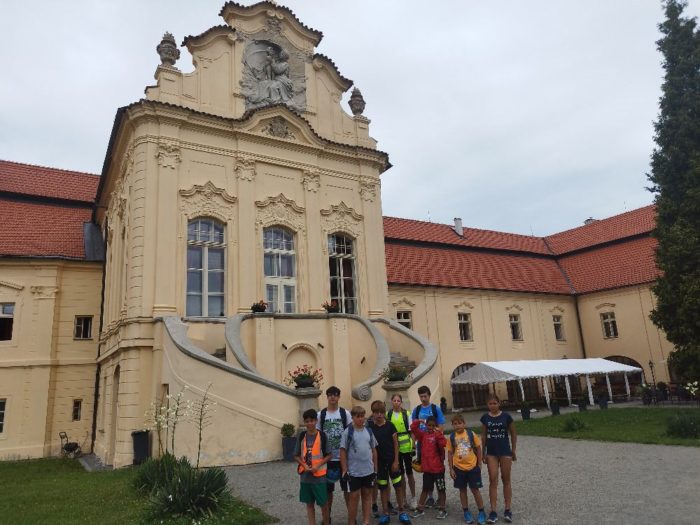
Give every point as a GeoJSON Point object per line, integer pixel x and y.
{"type": "Point", "coordinates": [312, 455]}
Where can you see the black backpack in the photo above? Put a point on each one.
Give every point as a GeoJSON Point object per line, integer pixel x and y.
{"type": "Point", "coordinates": [433, 409]}
{"type": "Point", "coordinates": [343, 417]}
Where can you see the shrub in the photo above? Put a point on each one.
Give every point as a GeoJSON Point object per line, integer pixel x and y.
{"type": "Point", "coordinates": [683, 425]}
{"type": "Point", "coordinates": [574, 424]}
{"type": "Point", "coordinates": [154, 472]}
{"type": "Point", "coordinates": [191, 493]}
{"type": "Point", "coordinates": [288, 430]}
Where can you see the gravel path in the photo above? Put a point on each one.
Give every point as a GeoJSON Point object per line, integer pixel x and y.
{"type": "Point", "coordinates": [555, 481]}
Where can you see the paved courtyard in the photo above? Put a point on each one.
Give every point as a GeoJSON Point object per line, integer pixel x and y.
{"type": "Point", "coordinates": [555, 481]}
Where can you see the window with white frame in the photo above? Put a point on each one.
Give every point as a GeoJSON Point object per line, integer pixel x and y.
{"type": "Point", "coordinates": [7, 319]}
{"type": "Point", "coordinates": [83, 327]}
{"type": "Point", "coordinates": [206, 258]}
{"type": "Point", "coordinates": [3, 404]}
{"type": "Point", "coordinates": [558, 323]}
{"type": "Point", "coordinates": [516, 331]}
{"type": "Point", "coordinates": [609, 325]}
{"type": "Point", "coordinates": [280, 270]}
{"type": "Point", "coordinates": [403, 317]}
{"type": "Point", "coordinates": [77, 409]}
{"type": "Point", "coordinates": [341, 265]}
{"type": "Point", "coordinates": [464, 320]}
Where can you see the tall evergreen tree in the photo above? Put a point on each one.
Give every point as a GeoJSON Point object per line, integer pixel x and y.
{"type": "Point", "coordinates": [675, 181]}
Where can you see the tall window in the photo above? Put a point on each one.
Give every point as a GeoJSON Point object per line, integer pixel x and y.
{"type": "Point", "coordinates": [280, 270]}
{"type": "Point", "coordinates": [77, 409]}
{"type": "Point", "coordinates": [3, 404]}
{"type": "Point", "coordinates": [516, 331]}
{"type": "Point", "coordinates": [83, 327]}
{"type": "Point", "coordinates": [465, 326]}
{"type": "Point", "coordinates": [558, 322]}
{"type": "Point", "coordinates": [404, 318]}
{"type": "Point", "coordinates": [7, 319]}
{"type": "Point", "coordinates": [206, 246]}
{"type": "Point", "coordinates": [341, 263]}
{"type": "Point", "coordinates": [609, 325]}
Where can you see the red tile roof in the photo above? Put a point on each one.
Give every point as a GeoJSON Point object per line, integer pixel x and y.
{"type": "Point", "coordinates": [33, 229]}
{"type": "Point", "coordinates": [47, 182]}
{"type": "Point", "coordinates": [614, 266]}
{"type": "Point", "coordinates": [412, 230]}
{"type": "Point", "coordinates": [628, 224]}
{"type": "Point", "coordinates": [430, 266]}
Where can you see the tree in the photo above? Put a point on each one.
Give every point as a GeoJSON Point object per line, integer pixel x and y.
{"type": "Point", "coordinates": [675, 179]}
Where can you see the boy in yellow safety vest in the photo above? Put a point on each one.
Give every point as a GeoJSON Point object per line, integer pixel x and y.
{"type": "Point", "coordinates": [401, 419]}
{"type": "Point", "coordinates": [312, 455]}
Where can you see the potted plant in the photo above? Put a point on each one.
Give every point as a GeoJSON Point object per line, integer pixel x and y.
{"type": "Point", "coordinates": [259, 307]}
{"type": "Point", "coordinates": [332, 307]}
{"type": "Point", "coordinates": [394, 373]}
{"type": "Point", "coordinates": [304, 376]}
{"type": "Point", "coordinates": [289, 441]}
{"type": "Point", "coordinates": [554, 407]}
{"type": "Point", "coordinates": [525, 410]}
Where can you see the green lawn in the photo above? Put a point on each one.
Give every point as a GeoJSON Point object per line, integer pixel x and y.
{"type": "Point", "coordinates": [47, 491]}
{"type": "Point", "coordinates": [634, 425]}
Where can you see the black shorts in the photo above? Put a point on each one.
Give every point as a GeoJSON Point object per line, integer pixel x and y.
{"type": "Point", "coordinates": [335, 465]}
{"type": "Point", "coordinates": [434, 479]}
{"type": "Point", "coordinates": [364, 482]}
{"type": "Point", "coordinates": [406, 463]}
{"type": "Point", "coordinates": [468, 478]}
{"type": "Point", "coordinates": [385, 474]}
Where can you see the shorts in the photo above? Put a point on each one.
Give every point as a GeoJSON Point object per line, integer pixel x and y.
{"type": "Point", "coordinates": [434, 479]}
{"type": "Point", "coordinates": [468, 478]}
{"type": "Point", "coordinates": [335, 465]}
{"type": "Point", "coordinates": [313, 493]}
{"type": "Point", "coordinates": [405, 461]}
{"type": "Point", "coordinates": [364, 482]}
{"type": "Point", "coordinates": [384, 474]}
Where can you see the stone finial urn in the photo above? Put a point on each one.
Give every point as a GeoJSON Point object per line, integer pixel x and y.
{"type": "Point", "coordinates": [357, 103]}
{"type": "Point", "coordinates": [168, 51]}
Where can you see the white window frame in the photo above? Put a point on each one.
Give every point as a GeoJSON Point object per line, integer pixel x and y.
{"type": "Point", "coordinates": [609, 325]}
{"type": "Point", "coordinates": [558, 321]}
{"type": "Point", "coordinates": [7, 311]}
{"type": "Point", "coordinates": [79, 327]}
{"type": "Point", "coordinates": [275, 284]}
{"type": "Point", "coordinates": [405, 318]}
{"type": "Point", "coordinates": [347, 304]}
{"type": "Point", "coordinates": [464, 324]}
{"type": "Point", "coordinates": [206, 241]}
{"type": "Point", "coordinates": [77, 403]}
{"type": "Point", "coordinates": [514, 320]}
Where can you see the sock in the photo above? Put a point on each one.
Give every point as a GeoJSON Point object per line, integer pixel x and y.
{"type": "Point", "coordinates": [481, 509]}
{"type": "Point", "coordinates": [465, 509]}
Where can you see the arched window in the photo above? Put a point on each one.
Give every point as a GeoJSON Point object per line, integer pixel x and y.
{"type": "Point", "coordinates": [280, 270]}
{"type": "Point", "coordinates": [341, 265]}
{"type": "Point", "coordinates": [206, 255]}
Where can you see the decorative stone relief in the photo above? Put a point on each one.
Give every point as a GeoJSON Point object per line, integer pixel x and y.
{"type": "Point", "coordinates": [269, 77]}
{"type": "Point", "coordinates": [168, 51]}
{"type": "Point", "coordinates": [207, 200]}
{"type": "Point", "coordinates": [280, 210]}
{"type": "Point", "coordinates": [274, 24]}
{"type": "Point", "coordinates": [404, 301]}
{"type": "Point", "coordinates": [357, 102]}
{"type": "Point", "coordinates": [168, 155]}
{"type": "Point", "coordinates": [514, 307]}
{"type": "Point", "coordinates": [464, 305]}
{"type": "Point", "coordinates": [245, 168]}
{"type": "Point", "coordinates": [311, 181]}
{"type": "Point", "coordinates": [368, 191]}
{"type": "Point", "coordinates": [14, 286]}
{"type": "Point", "coordinates": [278, 127]}
{"type": "Point", "coordinates": [340, 217]}
{"type": "Point", "coordinates": [605, 305]}
{"type": "Point", "coordinates": [44, 292]}
{"type": "Point", "coordinates": [556, 309]}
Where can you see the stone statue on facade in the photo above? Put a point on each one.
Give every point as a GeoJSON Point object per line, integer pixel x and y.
{"type": "Point", "coordinates": [167, 50]}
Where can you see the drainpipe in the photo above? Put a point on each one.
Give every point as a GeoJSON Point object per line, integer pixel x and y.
{"type": "Point", "coordinates": [99, 344]}
{"type": "Point", "coordinates": [580, 329]}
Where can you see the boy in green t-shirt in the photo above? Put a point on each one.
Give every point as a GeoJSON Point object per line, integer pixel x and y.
{"type": "Point", "coordinates": [464, 459]}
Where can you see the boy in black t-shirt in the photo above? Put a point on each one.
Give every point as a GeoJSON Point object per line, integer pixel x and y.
{"type": "Point", "coordinates": [388, 462]}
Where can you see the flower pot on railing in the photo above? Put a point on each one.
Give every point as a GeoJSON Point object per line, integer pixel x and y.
{"type": "Point", "coordinates": [304, 382]}
{"type": "Point", "coordinates": [332, 308]}
{"type": "Point", "coordinates": [258, 307]}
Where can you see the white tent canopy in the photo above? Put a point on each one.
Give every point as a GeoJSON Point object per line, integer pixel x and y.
{"type": "Point", "coordinates": [488, 372]}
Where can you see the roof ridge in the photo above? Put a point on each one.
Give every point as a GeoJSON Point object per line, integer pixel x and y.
{"type": "Point", "coordinates": [49, 168]}
{"type": "Point", "coordinates": [598, 221]}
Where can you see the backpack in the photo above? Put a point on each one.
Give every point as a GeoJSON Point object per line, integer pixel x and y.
{"type": "Point", "coordinates": [351, 433]}
{"type": "Point", "coordinates": [343, 417]}
{"type": "Point", "coordinates": [433, 409]}
{"type": "Point", "coordinates": [470, 435]}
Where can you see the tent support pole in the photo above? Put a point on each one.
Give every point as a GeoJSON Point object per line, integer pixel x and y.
{"type": "Point", "coordinates": [590, 389]}
{"type": "Point", "coordinates": [607, 380]}
{"type": "Point", "coordinates": [522, 390]}
{"type": "Point", "coordinates": [568, 389]}
{"type": "Point", "coordinates": [471, 388]}
{"type": "Point", "coordinates": [546, 391]}
{"type": "Point", "coordinates": [627, 388]}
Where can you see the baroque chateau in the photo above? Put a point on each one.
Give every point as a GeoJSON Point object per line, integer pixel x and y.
{"type": "Point", "coordinates": [246, 180]}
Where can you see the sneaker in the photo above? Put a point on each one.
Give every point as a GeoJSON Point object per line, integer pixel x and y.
{"type": "Point", "coordinates": [442, 514]}
{"type": "Point", "coordinates": [481, 518]}
{"type": "Point", "coordinates": [403, 518]}
{"type": "Point", "coordinates": [430, 503]}
{"type": "Point", "coordinates": [468, 518]}
{"type": "Point", "coordinates": [375, 511]}
{"type": "Point", "coordinates": [493, 517]}
{"type": "Point", "coordinates": [418, 513]}
{"type": "Point", "coordinates": [508, 516]}
{"type": "Point", "coordinates": [384, 519]}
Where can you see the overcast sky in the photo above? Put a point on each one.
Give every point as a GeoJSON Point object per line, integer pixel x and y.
{"type": "Point", "coordinates": [524, 116]}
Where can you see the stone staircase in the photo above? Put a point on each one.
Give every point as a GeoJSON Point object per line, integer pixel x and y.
{"type": "Point", "coordinates": [398, 360]}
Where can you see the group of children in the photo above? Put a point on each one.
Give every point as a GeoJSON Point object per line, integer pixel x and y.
{"type": "Point", "coordinates": [366, 455]}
